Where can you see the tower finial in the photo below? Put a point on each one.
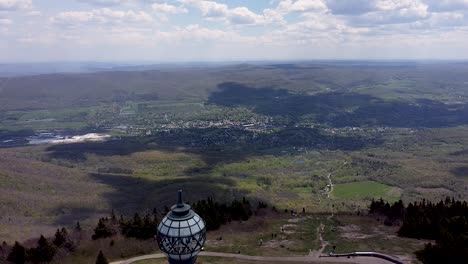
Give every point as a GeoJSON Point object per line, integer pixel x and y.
{"type": "Point", "coordinates": [180, 203]}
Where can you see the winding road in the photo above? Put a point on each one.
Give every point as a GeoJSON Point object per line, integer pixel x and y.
{"type": "Point", "coordinates": [299, 259]}
{"type": "Point", "coordinates": [330, 187]}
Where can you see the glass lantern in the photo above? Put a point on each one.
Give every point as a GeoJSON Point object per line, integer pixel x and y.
{"type": "Point", "coordinates": [181, 234]}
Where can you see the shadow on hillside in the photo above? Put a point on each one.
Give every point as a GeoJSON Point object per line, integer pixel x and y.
{"type": "Point", "coordinates": [341, 109]}
{"type": "Point", "coordinates": [67, 216]}
{"type": "Point", "coordinates": [217, 145]}
{"type": "Point", "coordinates": [459, 153]}
{"type": "Point", "coordinates": [77, 151]}
{"type": "Point", "coordinates": [132, 194]}
{"type": "Point", "coordinates": [460, 171]}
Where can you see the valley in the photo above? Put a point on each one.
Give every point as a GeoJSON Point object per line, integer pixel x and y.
{"type": "Point", "coordinates": [323, 138]}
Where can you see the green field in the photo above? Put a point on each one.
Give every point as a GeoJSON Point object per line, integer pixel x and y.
{"type": "Point", "coordinates": [365, 190]}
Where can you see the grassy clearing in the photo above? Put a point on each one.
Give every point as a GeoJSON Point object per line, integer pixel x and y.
{"type": "Point", "coordinates": [354, 233]}
{"type": "Point", "coordinates": [365, 190]}
{"type": "Point", "coordinates": [262, 235]}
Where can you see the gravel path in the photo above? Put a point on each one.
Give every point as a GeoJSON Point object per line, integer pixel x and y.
{"type": "Point", "coordinates": [303, 259]}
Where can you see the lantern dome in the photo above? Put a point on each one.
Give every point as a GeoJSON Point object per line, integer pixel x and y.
{"type": "Point", "coordinates": [181, 233]}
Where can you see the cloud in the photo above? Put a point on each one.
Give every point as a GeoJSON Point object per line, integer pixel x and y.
{"type": "Point", "coordinates": [195, 32]}
{"type": "Point", "coordinates": [215, 11]}
{"type": "Point", "coordinates": [242, 15]}
{"type": "Point", "coordinates": [306, 28]}
{"type": "Point", "coordinates": [399, 11]}
{"type": "Point", "coordinates": [209, 8]}
{"type": "Point", "coordinates": [444, 21]}
{"type": "Point", "coordinates": [380, 12]}
{"type": "Point", "coordinates": [100, 16]}
{"type": "Point", "coordinates": [320, 29]}
{"type": "Point", "coordinates": [350, 7]}
{"type": "Point", "coordinates": [302, 5]}
{"type": "Point", "coordinates": [285, 7]}
{"type": "Point", "coordinates": [5, 21]}
{"type": "Point", "coordinates": [104, 2]}
{"type": "Point", "coordinates": [15, 4]}
{"type": "Point", "coordinates": [446, 5]}
{"type": "Point", "coordinates": [169, 9]}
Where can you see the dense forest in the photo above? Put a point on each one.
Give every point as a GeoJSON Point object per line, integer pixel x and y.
{"type": "Point", "coordinates": [216, 214]}
{"type": "Point", "coordinates": [446, 222]}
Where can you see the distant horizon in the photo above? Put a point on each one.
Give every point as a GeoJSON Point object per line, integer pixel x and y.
{"type": "Point", "coordinates": [17, 69]}
{"type": "Point", "coordinates": [226, 61]}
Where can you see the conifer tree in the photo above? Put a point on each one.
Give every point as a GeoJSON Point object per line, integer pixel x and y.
{"type": "Point", "coordinates": [102, 230]}
{"type": "Point", "coordinates": [78, 227]}
{"type": "Point", "coordinates": [60, 237]}
{"type": "Point", "coordinates": [101, 259]}
{"type": "Point", "coordinates": [17, 254]}
{"type": "Point", "coordinates": [44, 252]}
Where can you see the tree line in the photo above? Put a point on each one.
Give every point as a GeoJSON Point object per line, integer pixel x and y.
{"type": "Point", "coordinates": [140, 227]}
{"type": "Point", "coordinates": [215, 215]}
{"type": "Point", "coordinates": [135, 227]}
{"type": "Point", "coordinates": [44, 252]}
{"type": "Point", "coordinates": [446, 222]}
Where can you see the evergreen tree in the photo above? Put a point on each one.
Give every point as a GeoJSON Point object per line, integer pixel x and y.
{"type": "Point", "coordinates": [44, 252]}
{"type": "Point", "coordinates": [101, 259]}
{"type": "Point", "coordinates": [60, 237]}
{"type": "Point", "coordinates": [113, 217]}
{"type": "Point", "coordinates": [17, 254]}
{"type": "Point", "coordinates": [78, 227]}
{"type": "Point", "coordinates": [216, 214]}
{"type": "Point", "coordinates": [145, 228]}
{"type": "Point", "coordinates": [102, 230]}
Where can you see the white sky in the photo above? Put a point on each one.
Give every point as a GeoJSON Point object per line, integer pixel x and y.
{"type": "Point", "coordinates": [197, 30]}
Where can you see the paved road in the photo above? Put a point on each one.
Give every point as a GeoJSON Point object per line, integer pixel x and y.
{"type": "Point", "coordinates": [303, 259]}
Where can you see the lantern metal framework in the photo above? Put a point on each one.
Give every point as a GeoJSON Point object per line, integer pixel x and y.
{"type": "Point", "coordinates": [181, 234]}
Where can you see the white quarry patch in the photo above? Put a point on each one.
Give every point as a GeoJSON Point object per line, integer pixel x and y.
{"type": "Point", "coordinates": [91, 137]}
{"type": "Point", "coordinates": [83, 138]}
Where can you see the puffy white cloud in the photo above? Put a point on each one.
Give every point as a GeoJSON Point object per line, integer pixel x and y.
{"type": "Point", "coordinates": [100, 16]}
{"type": "Point", "coordinates": [302, 5]}
{"type": "Point", "coordinates": [170, 9]}
{"type": "Point", "coordinates": [217, 11]}
{"type": "Point", "coordinates": [15, 4]}
{"type": "Point", "coordinates": [242, 15]}
{"type": "Point", "coordinates": [208, 8]}
{"type": "Point", "coordinates": [284, 7]}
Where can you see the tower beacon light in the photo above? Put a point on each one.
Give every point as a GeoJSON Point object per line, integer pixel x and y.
{"type": "Point", "coordinates": [181, 234]}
